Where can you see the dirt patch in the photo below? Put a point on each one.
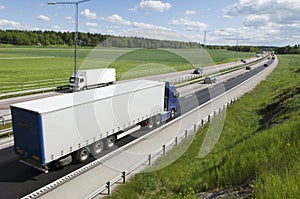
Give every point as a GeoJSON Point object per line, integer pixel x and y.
{"type": "Point", "coordinates": [273, 110]}
{"type": "Point", "coordinates": [242, 191]}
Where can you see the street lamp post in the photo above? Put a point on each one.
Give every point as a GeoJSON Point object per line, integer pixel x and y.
{"type": "Point", "coordinates": [76, 3]}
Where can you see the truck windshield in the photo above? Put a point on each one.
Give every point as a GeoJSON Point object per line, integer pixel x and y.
{"type": "Point", "coordinates": [72, 80]}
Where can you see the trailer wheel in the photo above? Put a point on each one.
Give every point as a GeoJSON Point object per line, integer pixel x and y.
{"type": "Point", "coordinates": [157, 120]}
{"type": "Point", "coordinates": [82, 155]}
{"type": "Point", "coordinates": [150, 123]}
{"type": "Point", "coordinates": [97, 148]}
{"type": "Point", "coordinates": [110, 141]}
{"type": "Point", "coordinates": [172, 114]}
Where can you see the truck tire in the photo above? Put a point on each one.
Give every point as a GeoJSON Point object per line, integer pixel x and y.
{"type": "Point", "coordinates": [150, 123]}
{"type": "Point", "coordinates": [82, 155]}
{"type": "Point", "coordinates": [110, 141]}
{"type": "Point", "coordinates": [97, 148]}
{"type": "Point", "coordinates": [172, 114]}
{"type": "Point", "coordinates": [157, 120]}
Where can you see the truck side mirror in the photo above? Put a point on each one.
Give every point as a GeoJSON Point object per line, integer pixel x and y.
{"type": "Point", "coordinates": [176, 94]}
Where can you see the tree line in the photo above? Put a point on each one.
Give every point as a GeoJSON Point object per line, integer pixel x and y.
{"type": "Point", "coordinates": [53, 38]}
{"type": "Point", "coordinates": [49, 38]}
{"type": "Point", "coordinates": [288, 50]}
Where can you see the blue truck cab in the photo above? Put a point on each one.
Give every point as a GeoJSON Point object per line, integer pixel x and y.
{"type": "Point", "coordinates": [171, 101]}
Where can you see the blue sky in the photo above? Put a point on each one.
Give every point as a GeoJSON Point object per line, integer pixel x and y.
{"type": "Point", "coordinates": [248, 22]}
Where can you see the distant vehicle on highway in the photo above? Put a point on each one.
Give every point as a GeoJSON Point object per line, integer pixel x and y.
{"type": "Point", "coordinates": [210, 80]}
{"type": "Point", "coordinates": [248, 68]}
{"type": "Point", "coordinates": [198, 71]}
{"type": "Point", "coordinates": [242, 60]}
{"type": "Point", "coordinates": [265, 65]}
{"type": "Point", "coordinates": [93, 78]}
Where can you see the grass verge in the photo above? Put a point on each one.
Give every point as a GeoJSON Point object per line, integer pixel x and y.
{"type": "Point", "coordinates": [30, 64]}
{"type": "Point", "coordinates": [259, 148]}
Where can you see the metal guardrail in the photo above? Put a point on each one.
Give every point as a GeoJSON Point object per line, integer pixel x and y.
{"type": "Point", "coordinates": [161, 151]}
{"type": "Point", "coordinates": [192, 78]}
{"type": "Point", "coordinates": [19, 88]}
{"type": "Point", "coordinates": [146, 161]}
{"type": "Point", "coordinates": [6, 131]}
{"type": "Point", "coordinates": [4, 119]}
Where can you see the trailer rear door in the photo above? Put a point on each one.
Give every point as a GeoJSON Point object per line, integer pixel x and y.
{"type": "Point", "coordinates": [28, 135]}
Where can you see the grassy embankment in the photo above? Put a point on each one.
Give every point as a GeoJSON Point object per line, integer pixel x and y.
{"type": "Point", "coordinates": [259, 148]}
{"type": "Point", "coordinates": [27, 64]}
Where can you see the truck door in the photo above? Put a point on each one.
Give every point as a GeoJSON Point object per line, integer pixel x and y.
{"type": "Point", "coordinates": [28, 134]}
{"type": "Point", "coordinates": [171, 97]}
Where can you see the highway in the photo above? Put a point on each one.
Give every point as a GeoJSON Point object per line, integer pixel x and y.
{"type": "Point", "coordinates": [17, 180]}
{"type": "Point", "coordinates": [5, 103]}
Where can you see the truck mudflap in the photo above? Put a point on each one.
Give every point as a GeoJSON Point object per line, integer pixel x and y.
{"type": "Point", "coordinates": [33, 165]}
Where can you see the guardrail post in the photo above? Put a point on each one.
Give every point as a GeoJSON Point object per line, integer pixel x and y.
{"type": "Point", "coordinates": [195, 127]}
{"type": "Point", "coordinates": [164, 149]}
{"type": "Point", "coordinates": [176, 141]}
{"type": "Point", "coordinates": [149, 159]}
{"type": "Point", "coordinates": [202, 122]}
{"type": "Point", "coordinates": [2, 121]}
{"type": "Point", "coordinates": [208, 118]}
{"type": "Point", "coordinates": [185, 133]}
{"type": "Point", "coordinates": [124, 177]}
{"type": "Point", "coordinates": [108, 187]}
{"type": "Point", "coordinates": [215, 113]}
{"type": "Point", "coordinates": [219, 110]}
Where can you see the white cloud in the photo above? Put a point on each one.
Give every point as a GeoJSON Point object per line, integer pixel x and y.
{"type": "Point", "coordinates": [43, 18]}
{"type": "Point", "coordinates": [246, 36]}
{"type": "Point", "coordinates": [2, 7]}
{"type": "Point", "coordinates": [92, 25]}
{"type": "Point", "coordinates": [9, 24]}
{"type": "Point", "coordinates": [69, 18]}
{"type": "Point", "coordinates": [257, 20]}
{"type": "Point", "coordinates": [118, 20]}
{"type": "Point", "coordinates": [152, 5]}
{"type": "Point", "coordinates": [268, 20]}
{"type": "Point", "coordinates": [189, 24]}
{"type": "Point", "coordinates": [190, 12]}
{"type": "Point", "coordinates": [279, 11]}
{"type": "Point", "coordinates": [57, 28]}
{"type": "Point", "coordinates": [86, 13]}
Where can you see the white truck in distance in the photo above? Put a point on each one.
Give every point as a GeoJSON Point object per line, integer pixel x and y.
{"type": "Point", "coordinates": [68, 128]}
{"type": "Point", "coordinates": [93, 78]}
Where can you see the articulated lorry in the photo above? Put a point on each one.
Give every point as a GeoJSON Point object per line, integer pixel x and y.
{"type": "Point", "coordinates": [58, 130]}
{"type": "Point", "coordinates": [94, 78]}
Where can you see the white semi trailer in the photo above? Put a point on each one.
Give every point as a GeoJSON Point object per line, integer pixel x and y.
{"type": "Point", "coordinates": [93, 78]}
{"type": "Point", "coordinates": [62, 129]}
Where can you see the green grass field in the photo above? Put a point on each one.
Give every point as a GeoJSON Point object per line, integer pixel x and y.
{"type": "Point", "coordinates": [38, 63]}
{"type": "Point", "coordinates": [259, 147]}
